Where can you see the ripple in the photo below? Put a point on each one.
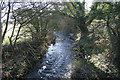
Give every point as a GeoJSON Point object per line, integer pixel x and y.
{"type": "Point", "coordinates": [58, 60]}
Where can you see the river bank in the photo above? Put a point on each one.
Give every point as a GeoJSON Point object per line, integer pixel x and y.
{"type": "Point", "coordinates": [17, 61]}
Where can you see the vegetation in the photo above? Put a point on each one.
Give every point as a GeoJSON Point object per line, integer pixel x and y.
{"type": "Point", "coordinates": [96, 35]}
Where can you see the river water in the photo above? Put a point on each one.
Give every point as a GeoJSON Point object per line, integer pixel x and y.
{"type": "Point", "coordinates": [57, 62]}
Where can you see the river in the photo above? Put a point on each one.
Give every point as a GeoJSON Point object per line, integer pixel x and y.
{"type": "Point", "coordinates": [57, 62]}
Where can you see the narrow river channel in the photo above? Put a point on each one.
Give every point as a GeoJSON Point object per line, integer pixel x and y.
{"type": "Point", "coordinates": [57, 62]}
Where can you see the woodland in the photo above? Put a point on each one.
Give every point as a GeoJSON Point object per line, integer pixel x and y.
{"type": "Point", "coordinates": [28, 29]}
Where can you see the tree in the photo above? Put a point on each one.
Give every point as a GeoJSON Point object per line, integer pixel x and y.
{"type": "Point", "coordinates": [0, 44]}
{"type": "Point", "coordinates": [7, 21]}
{"type": "Point", "coordinates": [109, 12]}
{"type": "Point", "coordinates": [77, 10]}
{"type": "Point", "coordinates": [34, 19]}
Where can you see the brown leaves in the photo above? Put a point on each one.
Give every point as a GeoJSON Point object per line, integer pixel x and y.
{"type": "Point", "coordinates": [6, 74]}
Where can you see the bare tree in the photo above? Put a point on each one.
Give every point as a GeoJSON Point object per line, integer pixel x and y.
{"type": "Point", "coordinates": [9, 7]}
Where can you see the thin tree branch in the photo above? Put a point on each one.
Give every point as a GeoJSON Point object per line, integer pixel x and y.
{"type": "Point", "coordinates": [71, 11]}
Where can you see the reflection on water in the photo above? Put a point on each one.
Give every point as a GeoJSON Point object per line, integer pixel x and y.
{"type": "Point", "coordinates": [57, 62]}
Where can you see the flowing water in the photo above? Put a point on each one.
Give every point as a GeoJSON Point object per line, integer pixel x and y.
{"type": "Point", "coordinates": [57, 62]}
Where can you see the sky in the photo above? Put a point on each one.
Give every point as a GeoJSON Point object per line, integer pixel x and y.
{"type": "Point", "coordinates": [88, 4]}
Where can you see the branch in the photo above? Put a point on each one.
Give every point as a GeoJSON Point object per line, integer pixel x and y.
{"type": "Point", "coordinates": [93, 15]}
{"type": "Point", "coordinates": [13, 31]}
{"type": "Point", "coordinates": [90, 20]}
{"type": "Point", "coordinates": [73, 5]}
{"type": "Point", "coordinates": [71, 11]}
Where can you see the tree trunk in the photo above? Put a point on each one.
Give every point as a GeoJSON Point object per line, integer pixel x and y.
{"type": "Point", "coordinates": [17, 34]}
{"type": "Point", "coordinates": [0, 45]}
{"type": "Point", "coordinates": [7, 22]}
{"type": "Point", "coordinates": [84, 31]}
{"type": "Point", "coordinates": [115, 45]}
{"type": "Point", "coordinates": [118, 52]}
{"type": "Point", "coordinates": [83, 27]}
{"type": "Point", "coordinates": [10, 39]}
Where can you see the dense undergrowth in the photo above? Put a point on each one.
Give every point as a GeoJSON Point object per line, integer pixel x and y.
{"type": "Point", "coordinates": [94, 58]}
{"type": "Point", "coordinates": [19, 59]}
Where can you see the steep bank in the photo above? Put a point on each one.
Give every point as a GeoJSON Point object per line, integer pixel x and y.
{"type": "Point", "coordinates": [19, 59]}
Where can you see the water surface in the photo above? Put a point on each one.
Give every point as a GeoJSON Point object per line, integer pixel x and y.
{"type": "Point", "coordinates": [57, 62]}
